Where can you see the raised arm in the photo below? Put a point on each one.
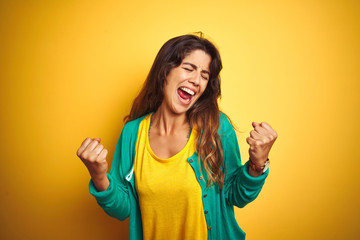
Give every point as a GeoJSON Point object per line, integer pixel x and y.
{"type": "Point", "coordinates": [242, 186]}
{"type": "Point", "coordinates": [110, 190]}
{"type": "Point", "coordinates": [93, 155]}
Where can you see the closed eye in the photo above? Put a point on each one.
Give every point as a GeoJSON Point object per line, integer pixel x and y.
{"type": "Point", "coordinates": [204, 77]}
{"type": "Point", "coordinates": [190, 70]}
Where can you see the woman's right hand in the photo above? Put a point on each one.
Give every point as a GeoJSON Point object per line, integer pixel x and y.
{"type": "Point", "coordinates": [93, 155]}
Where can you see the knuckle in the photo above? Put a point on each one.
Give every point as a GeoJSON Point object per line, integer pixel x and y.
{"type": "Point", "coordinates": [84, 155]}
{"type": "Point", "coordinates": [92, 158]}
{"type": "Point", "coordinates": [100, 160]}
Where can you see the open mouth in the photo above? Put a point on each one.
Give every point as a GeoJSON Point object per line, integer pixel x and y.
{"type": "Point", "coordinates": [185, 94]}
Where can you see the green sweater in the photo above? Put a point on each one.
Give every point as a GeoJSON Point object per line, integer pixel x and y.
{"type": "Point", "coordinates": [120, 200]}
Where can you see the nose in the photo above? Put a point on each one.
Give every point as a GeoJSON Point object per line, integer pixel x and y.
{"type": "Point", "coordinates": [195, 79]}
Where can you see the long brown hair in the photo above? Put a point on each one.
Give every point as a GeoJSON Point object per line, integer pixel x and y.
{"type": "Point", "coordinates": [203, 115]}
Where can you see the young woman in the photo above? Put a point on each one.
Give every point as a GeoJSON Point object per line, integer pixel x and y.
{"type": "Point", "coordinates": [176, 171]}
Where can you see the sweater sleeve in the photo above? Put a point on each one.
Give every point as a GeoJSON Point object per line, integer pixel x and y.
{"type": "Point", "coordinates": [115, 200]}
{"type": "Point", "coordinates": [240, 188]}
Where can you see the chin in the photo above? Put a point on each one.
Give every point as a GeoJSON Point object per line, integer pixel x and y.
{"type": "Point", "coordinates": [179, 109]}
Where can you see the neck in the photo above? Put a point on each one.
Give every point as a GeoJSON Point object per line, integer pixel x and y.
{"type": "Point", "coordinates": [167, 122]}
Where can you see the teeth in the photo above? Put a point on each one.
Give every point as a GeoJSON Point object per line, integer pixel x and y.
{"type": "Point", "coordinates": [188, 91]}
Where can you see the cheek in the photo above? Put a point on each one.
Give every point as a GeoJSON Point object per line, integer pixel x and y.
{"type": "Point", "coordinates": [204, 86]}
{"type": "Point", "coordinates": [168, 85]}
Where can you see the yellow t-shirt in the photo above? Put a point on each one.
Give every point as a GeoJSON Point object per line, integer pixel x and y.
{"type": "Point", "coordinates": [169, 194]}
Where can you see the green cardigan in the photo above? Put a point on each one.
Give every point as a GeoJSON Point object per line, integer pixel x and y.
{"type": "Point", "coordinates": [120, 200]}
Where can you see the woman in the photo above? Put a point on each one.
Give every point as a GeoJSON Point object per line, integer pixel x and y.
{"type": "Point", "coordinates": [176, 171]}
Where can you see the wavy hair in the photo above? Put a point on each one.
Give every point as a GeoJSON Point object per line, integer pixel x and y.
{"type": "Point", "coordinates": [203, 115]}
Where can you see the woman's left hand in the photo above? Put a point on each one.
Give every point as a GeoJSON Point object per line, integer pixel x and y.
{"type": "Point", "coordinates": [261, 140]}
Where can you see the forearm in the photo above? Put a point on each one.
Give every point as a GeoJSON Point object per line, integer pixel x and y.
{"type": "Point", "coordinates": [114, 200]}
{"type": "Point", "coordinates": [245, 187]}
{"type": "Point", "coordinates": [101, 184]}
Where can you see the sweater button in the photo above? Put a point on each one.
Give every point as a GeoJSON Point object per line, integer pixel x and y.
{"type": "Point", "coordinates": [209, 228]}
{"type": "Point", "coordinates": [200, 177]}
{"type": "Point", "coordinates": [206, 212]}
{"type": "Point", "coordinates": [190, 160]}
{"type": "Point", "coordinates": [205, 195]}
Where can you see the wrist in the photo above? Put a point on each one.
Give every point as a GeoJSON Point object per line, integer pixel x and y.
{"type": "Point", "coordinates": [256, 168]}
{"type": "Point", "coordinates": [254, 173]}
{"type": "Point", "coordinates": [98, 177]}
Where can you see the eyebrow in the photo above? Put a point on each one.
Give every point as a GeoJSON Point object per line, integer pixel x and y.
{"type": "Point", "coordinates": [196, 67]}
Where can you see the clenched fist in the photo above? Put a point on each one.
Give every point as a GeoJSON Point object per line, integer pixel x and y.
{"type": "Point", "coordinates": [93, 155]}
{"type": "Point", "coordinates": [261, 140]}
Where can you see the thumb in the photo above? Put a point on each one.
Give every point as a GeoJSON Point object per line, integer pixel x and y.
{"type": "Point", "coordinates": [254, 124]}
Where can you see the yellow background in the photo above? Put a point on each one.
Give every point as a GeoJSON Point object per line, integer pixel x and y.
{"type": "Point", "coordinates": [70, 69]}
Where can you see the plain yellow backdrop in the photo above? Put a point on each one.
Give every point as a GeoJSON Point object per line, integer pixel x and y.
{"type": "Point", "coordinates": [70, 69]}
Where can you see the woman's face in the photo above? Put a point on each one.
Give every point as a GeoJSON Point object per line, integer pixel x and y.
{"type": "Point", "coordinates": [185, 83]}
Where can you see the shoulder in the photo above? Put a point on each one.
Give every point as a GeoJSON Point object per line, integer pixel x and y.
{"type": "Point", "coordinates": [129, 134]}
{"type": "Point", "coordinates": [132, 126]}
{"type": "Point", "coordinates": [225, 126]}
